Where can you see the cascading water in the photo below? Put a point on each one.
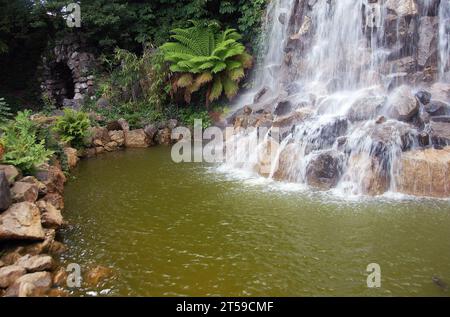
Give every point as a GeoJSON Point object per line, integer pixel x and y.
{"type": "Point", "coordinates": [330, 86]}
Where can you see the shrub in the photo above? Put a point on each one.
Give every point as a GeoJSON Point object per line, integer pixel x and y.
{"type": "Point", "coordinates": [22, 148]}
{"type": "Point", "coordinates": [189, 115]}
{"type": "Point", "coordinates": [73, 127]}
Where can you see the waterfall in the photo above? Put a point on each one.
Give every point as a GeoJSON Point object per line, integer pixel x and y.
{"type": "Point", "coordinates": [444, 40]}
{"type": "Point", "coordinates": [333, 77]}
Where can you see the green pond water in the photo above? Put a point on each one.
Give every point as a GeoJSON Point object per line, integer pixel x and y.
{"type": "Point", "coordinates": [169, 229]}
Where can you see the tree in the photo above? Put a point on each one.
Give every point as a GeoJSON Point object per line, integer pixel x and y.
{"type": "Point", "coordinates": [203, 56]}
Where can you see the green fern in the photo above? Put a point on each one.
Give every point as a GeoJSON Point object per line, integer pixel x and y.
{"type": "Point", "coordinates": [202, 56]}
{"type": "Point", "coordinates": [5, 111]}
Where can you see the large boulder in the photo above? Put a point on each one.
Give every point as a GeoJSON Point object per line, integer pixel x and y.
{"type": "Point", "coordinates": [21, 221]}
{"type": "Point", "coordinates": [9, 274]}
{"type": "Point", "coordinates": [56, 199]}
{"type": "Point", "coordinates": [5, 193]}
{"type": "Point", "coordinates": [402, 105]}
{"type": "Point", "coordinates": [117, 136]}
{"type": "Point", "coordinates": [164, 136]}
{"type": "Point", "coordinates": [36, 263]}
{"type": "Point", "coordinates": [324, 170]}
{"type": "Point", "coordinates": [424, 173]}
{"type": "Point", "coordinates": [370, 172]}
{"type": "Point", "coordinates": [30, 285]}
{"type": "Point", "coordinates": [22, 191]}
{"type": "Point", "coordinates": [136, 139]}
{"type": "Point", "coordinates": [287, 167]}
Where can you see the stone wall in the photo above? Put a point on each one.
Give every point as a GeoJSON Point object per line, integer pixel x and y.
{"type": "Point", "coordinates": [68, 72]}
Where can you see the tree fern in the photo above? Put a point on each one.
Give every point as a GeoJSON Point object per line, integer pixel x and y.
{"type": "Point", "coordinates": [5, 111]}
{"type": "Point", "coordinates": [217, 59]}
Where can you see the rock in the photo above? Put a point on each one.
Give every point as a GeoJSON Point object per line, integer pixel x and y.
{"type": "Point", "coordinates": [103, 103]}
{"type": "Point", "coordinates": [52, 177]}
{"type": "Point", "coordinates": [136, 139]}
{"type": "Point", "coordinates": [9, 274]}
{"type": "Point", "coordinates": [51, 217]}
{"type": "Point", "coordinates": [424, 173]}
{"type": "Point", "coordinates": [440, 91]}
{"type": "Point", "coordinates": [11, 172]}
{"type": "Point", "coordinates": [99, 150]}
{"type": "Point", "coordinates": [101, 134]}
{"type": "Point", "coordinates": [111, 146]}
{"type": "Point", "coordinates": [97, 275]}
{"type": "Point", "coordinates": [30, 285]}
{"type": "Point", "coordinates": [172, 124]}
{"type": "Point", "coordinates": [40, 247]}
{"type": "Point", "coordinates": [5, 193]}
{"type": "Point", "coordinates": [21, 221]}
{"type": "Point", "coordinates": [36, 263]}
{"type": "Point", "coordinates": [33, 180]}
{"type": "Point", "coordinates": [371, 172]}
{"type": "Point", "coordinates": [428, 41]}
{"type": "Point", "coordinates": [402, 7]}
{"type": "Point", "coordinates": [437, 108]}
{"type": "Point", "coordinates": [24, 192]}
{"type": "Point", "coordinates": [124, 125]}
{"type": "Point", "coordinates": [261, 94]}
{"type": "Point", "coordinates": [60, 277]}
{"type": "Point", "coordinates": [390, 133]}
{"type": "Point", "coordinates": [55, 199]}
{"type": "Point", "coordinates": [402, 104]}
{"type": "Point", "coordinates": [72, 157]}
{"type": "Point", "coordinates": [324, 170]}
{"type": "Point", "coordinates": [325, 135]}
{"type": "Point", "coordinates": [366, 108]}
{"type": "Point", "coordinates": [424, 97]}
{"type": "Point", "coordinates": [247, 110]}
{"type": "Point", "coordinates": [57, 248]}
{"type": "Point", "coordinates": [117, 136]}
{"type": "Point", "coordinates": [282, 108]}
{"type": "Point", "coordinates": [151, 131]}
{"type": "Point", "coordinates": [286, 167]}
{"type": "Point", "coordinates": [440, 133]}
{"type": "Point", "coordinates": [164, 136]}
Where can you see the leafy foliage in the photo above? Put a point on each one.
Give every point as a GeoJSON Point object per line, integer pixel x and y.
{"type": "Point", "coordinates": [188, 117]}
{"type": "Point", "coordinates": [73, 127]}
{"type": "Point", "coordinates": [22, 148]}
{"type": "Point", "coordinates": [203, 56]}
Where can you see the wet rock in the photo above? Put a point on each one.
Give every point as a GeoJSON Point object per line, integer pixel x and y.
{"type": "Point", "coordinates": [5, 193]}
{"type": "Point", "coordinates": [402, 104]}
{"type": "Point", "coordinates": [283, 108]}
{"type": "Point", "coordinates": [437, 108]}
{"type": "Point", "coordinates": [247, 110]}
{"type": "Point", "coordinates": [55, 199]}
{"type": "Point", "coordinates": [402, 7]}
{"type": "Point", "coordinates": [428, 41]}
{"type": "Point", "coordinates": [241, 122]}
{"type": "Point", "coordinates": [366, 108]}
{"type": "Point", "coordinates": [424, 173]}
{"type": "Point", "coordinates": [36, 263]}
{"type": "Point", "coordinates": [51, 217]}
{"type": "Point", "coordinates": [287, 168]}
{"type": "Point", "coordinates": [111, 146]}
{"type": "Point", "coordinates": [293, 117]}
{"type": "Point", "coordinates": [39, 247]}
{"type": "Point", "coordinates": [424, 97]}
{"type": "Point", "coordinates": [9, 274]}
{"type": "Point", "coordinates": [424, 139]}
{"type": "Point", "coordinates": [22, 221]}
{"type": "Point", "coordinates": [97, 275]}
{"type": "Point", "coordinates": [57, 248]}
{"type": "Point", "coordinates": [388, 134]}
{"type": "Point", "coordinates": [30, 285]}
{"type": "Point", "coordinates": [136, 139]}
{"type": "Point", "coordinates": [324, 170]}
{"type": "Point", "coordinates": [372, 173]}
{"type": "Point", "coordinates": [326, 134]}
{"type": "Point", "coordinates": [60, 277]}
{"type": "Point", "coordinates": [440, 91]}
{"type": "Point", "coordinates": [72, 157]}
{"type": "Point", "coordinates": [11, 172]}
{"type": "Point", "coordinates": [440, 133]}
{"type": "Point", "coordinates": [99, 150]}
{"type": "Point", "coordinates": [261, 94]}
{"type": "Point", "coordinates": [445, 119]}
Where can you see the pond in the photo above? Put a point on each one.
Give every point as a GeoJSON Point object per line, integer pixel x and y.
{"type": "Point", "coordinates": [170, 229]}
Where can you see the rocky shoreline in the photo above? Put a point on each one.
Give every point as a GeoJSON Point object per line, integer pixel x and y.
{"type": "Point", "coordinates": [31, 213]}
